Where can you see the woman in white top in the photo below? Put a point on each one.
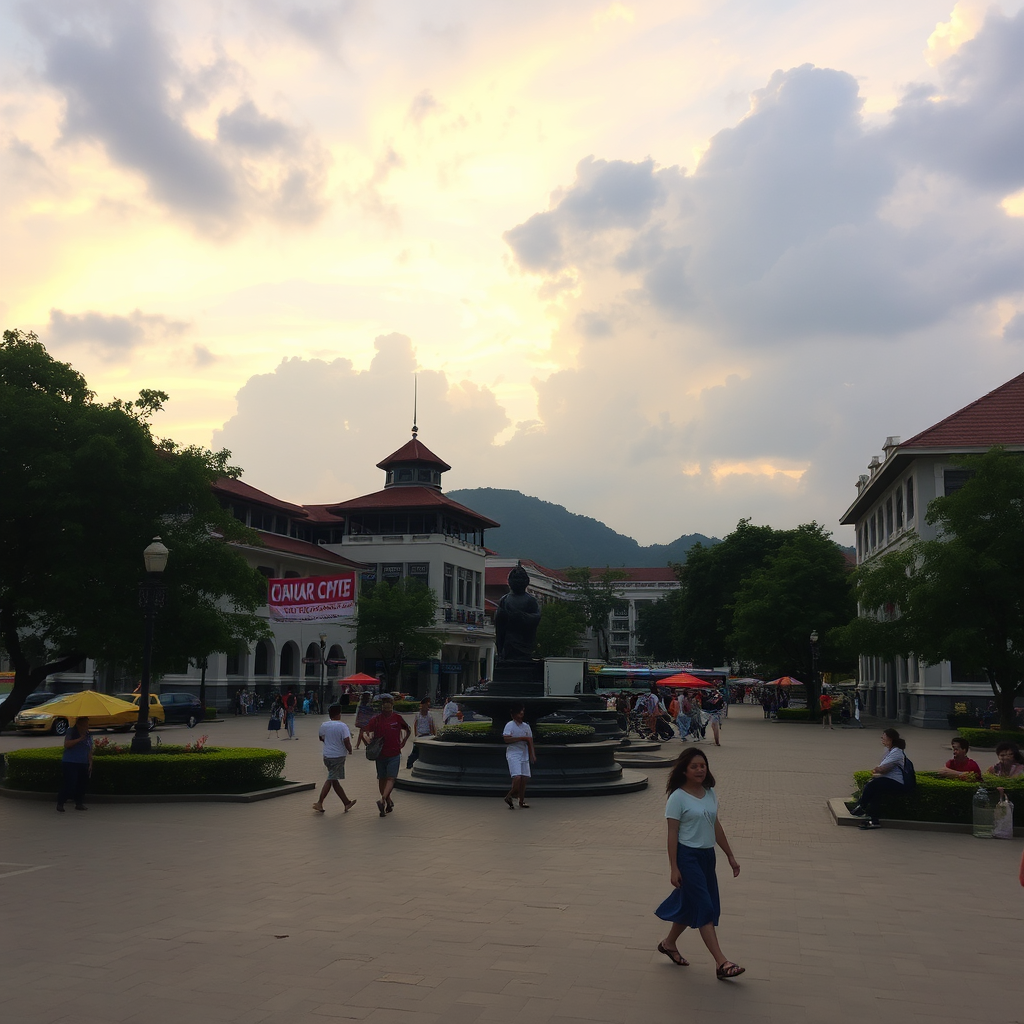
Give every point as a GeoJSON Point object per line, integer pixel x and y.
{"type": "Point", "coordinates": [422, 726]}
{"type": "Point", "coordinates": [519, 752]}
{"type": "Point", "coordinates": [887, 778]}
{"type": "Point", "coordinates": [693, 831]}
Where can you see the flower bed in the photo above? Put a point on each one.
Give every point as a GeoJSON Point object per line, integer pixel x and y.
{"type": "Point", "coordinates": [486, 732]}
{"type": "Point", "coordinates": [935, 799]}
{"type": "Point", "coordinates": [169, 769]}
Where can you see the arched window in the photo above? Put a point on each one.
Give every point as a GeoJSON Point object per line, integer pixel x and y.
{"type": "Point", "coordinates": [264, 658]}
{"type": "Point", "coordinates": [289, 659]}
{"type": "Point", "coordinates": [312, 668]}
{"type": "Point", "coordinates": [336, 653]}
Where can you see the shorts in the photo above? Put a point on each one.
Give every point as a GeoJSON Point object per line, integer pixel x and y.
{"type": "Point", "coordinates": [518, 764]}
{"type": "Point", "coordinates": [387, 767]}
{"type": "Point", "coordinates": [335, 767]}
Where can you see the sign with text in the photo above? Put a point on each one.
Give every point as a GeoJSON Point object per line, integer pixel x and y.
{"type": "Point", "coordinates": [312, 598]}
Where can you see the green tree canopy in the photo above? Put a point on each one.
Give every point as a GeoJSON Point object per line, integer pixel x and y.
{"type": "Point", "coordinates": [562, 624]}
{"type": "Point", "coordinates": [659, 625]}
{"type": "Point", "coordinates": [802, 587]}
{"type": "Point", "coordinates": [85, 489]}
{"type": "Point", "coordinates": [395, 619]}
{"type": "Point", "coordinates": [960, 597]}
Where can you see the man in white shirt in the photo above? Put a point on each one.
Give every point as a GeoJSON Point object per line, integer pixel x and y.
{"type": "Point", "coordinates": [337, 741]}
{"type": "Point", "coordinates": [450, 712]}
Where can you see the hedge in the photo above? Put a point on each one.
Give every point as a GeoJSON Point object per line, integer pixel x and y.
{"type": "Point", "coordinates": [935, 799]}
{"type": "Point", "coordinates": [169, 769]}
{"type": "Point", "coordinates": [485, 732]}
{"type": "Point", "coordinates": [988, 738]}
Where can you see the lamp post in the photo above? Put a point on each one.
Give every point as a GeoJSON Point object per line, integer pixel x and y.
{"type": "Point", "coordinates": [814, 688]}
{"type": "Point", "coordinates": [152, 594]}
{"type": "Point", "coordinates": [323, 670]}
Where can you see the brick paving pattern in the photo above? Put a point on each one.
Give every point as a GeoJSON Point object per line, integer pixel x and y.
{"type": "Point", "coordinates": [456, 910]}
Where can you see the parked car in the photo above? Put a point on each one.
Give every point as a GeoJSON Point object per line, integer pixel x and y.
{"type": "Point", "coordinates": [156, 711]}
{"type": "Point", "coordinates": [49, 718]}
{"type": "Point", "coordinates": [34, 699]}
{"type": "Point", "coordinates": [182, 707]}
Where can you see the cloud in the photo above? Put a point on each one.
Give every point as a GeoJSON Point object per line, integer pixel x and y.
{"type": "Point", "coordinates": [312, 431]}
{"type": "Point", "coordinates": [119, 79]}
{"type": "Point", "coordinates": [111, 337]}
{"type": "Point", "coordinates": [202, 357]}
{"type": "Point", "coordinates": [422, 105]}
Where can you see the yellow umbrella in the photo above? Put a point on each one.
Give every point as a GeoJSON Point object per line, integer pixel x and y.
{"type": "Point", "coordinates": [87, 704]}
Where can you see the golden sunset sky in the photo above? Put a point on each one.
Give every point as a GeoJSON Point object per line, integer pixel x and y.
{"type": "Point", "coordinates": [667, 264]}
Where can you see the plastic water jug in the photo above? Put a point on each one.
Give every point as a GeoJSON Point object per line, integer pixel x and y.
{"type": "Point", "coordinates": [984, 813]}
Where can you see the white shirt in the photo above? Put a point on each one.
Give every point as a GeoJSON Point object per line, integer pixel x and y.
{"type": "Point", "coordinates": [451, 710]}
{"type": "Point", "coordinates": [894, 757]}
{"type": "Point", "coordinates": [422, 724]}
{"type": "Point", "coordinates": [520, 748]}
{"type": "Point", "coordinates": [334, 735]}
{"type": "Point", "coordinates": [696, 817]}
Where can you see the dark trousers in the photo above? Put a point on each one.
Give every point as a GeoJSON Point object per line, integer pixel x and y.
{"type": "Point", "coordinates": [876, 790]}
{"type": "Point", "coordinates": [76, 777]}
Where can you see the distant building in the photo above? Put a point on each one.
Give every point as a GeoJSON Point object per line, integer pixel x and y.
{"type": "Point", "coordinates": [892, 498]}
{"type": "Point", "coordinates": [641, 587]}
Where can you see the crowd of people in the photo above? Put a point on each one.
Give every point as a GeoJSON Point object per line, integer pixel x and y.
{"type": "Point", "coordinates": [664, 713]}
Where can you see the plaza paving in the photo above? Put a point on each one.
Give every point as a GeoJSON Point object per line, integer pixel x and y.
{"type": "Point", "coordinates": [456, 910]}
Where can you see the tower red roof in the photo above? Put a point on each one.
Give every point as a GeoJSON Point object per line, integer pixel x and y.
{"type": "Point", "coordinates": [414, 451]}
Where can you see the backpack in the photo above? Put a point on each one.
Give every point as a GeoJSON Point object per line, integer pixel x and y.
{"type": "Point", "coordinates": [909, 775]}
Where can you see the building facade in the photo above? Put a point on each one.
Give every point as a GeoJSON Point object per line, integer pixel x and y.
{"type": "Point", "coordinates": [892, 499]}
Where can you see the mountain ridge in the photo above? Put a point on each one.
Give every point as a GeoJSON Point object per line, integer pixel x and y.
{"type": "Point", "coordinates": [552, 536]}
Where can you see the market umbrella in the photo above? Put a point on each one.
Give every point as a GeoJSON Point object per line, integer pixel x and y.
{"type": "Point", "coordinates": [88, 704]}
{"type": "Point", "coordinates": [361, 679]}
{"type": "Point", "coordinates": [684, 679]}
{"type": "Point", "coordinates": [785, 681]}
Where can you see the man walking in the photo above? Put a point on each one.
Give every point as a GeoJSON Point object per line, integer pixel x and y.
{"type": "Point", "coordinates": [394, 731]}
{"type": "Point", "coordinates": [337, 741]}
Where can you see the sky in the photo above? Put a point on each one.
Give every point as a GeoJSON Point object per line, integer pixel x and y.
{"type": "Point", "coordinates": [668, 264]}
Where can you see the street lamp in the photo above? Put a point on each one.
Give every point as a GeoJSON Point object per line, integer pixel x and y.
{"type": "Point", "coordinates": [323, 670]}
{"type": "Point", "coordinates": [814, 687]}
{"type": "Point", "coordinates": [152, 594]}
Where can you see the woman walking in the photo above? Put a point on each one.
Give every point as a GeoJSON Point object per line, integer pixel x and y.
{"type": "Point", "coordinates": [520, 754]}
{"type": "Point", "coordinates": [693, 831]}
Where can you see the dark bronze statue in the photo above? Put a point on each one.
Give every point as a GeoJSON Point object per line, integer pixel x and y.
{"type": "Point", "coordinates": [516, 620]}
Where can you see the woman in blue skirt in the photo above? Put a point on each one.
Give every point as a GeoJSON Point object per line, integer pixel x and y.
{"type": "Point", "coordinates": [693, 831]}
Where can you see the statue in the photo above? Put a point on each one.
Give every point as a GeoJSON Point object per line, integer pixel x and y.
{"type": "Point", "coordinates": [516, 620]}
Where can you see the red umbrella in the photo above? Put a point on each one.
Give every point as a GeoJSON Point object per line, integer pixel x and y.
{"type": "Point", "coordinates": [361, 679]}
{"type": "Point", "coordinates": [785, 681]}
{"type": "Point", "coordinates": [684, 679]}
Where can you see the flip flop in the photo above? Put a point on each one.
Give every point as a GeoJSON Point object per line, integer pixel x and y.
{"type": "Point", "coordinates": [380, 807]}
{"type": "Point", "coordinates": [728, 970]}
{"type": "Point", "coordinates": [508, 800]}
{"type": "Point", "coordinates": [674, 955]}
{"type": "Point", "coordinates": [522, 803]}
{"type": "Point", "coordinates": [350, 805]}
{"type": "Point", "coordinates": [318, 809]}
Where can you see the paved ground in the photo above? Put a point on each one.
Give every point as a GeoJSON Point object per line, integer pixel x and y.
{"type": "Point", "coordinates": [456, 910]}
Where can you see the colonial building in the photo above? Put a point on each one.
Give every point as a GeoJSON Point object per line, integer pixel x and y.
{"type": "Point", "coordinates": [892, 498]}
{"type": "Point", "coordinates": [407, 529]}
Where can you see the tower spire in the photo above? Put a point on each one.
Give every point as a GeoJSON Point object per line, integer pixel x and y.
{"type": "Point", "coordinates": [415, 396]}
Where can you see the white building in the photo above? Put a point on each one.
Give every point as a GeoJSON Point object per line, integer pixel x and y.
{"type": "Point", "coordinates": [892, 498]}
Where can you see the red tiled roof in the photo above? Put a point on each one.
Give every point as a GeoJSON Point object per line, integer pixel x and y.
{"type": "Point", "coordinates": [292, 546]}
{"type": "Point", "coordinates": [642, 575]}
{"type": "Point", "coordinates": [995, 418]}
{"type": "Point", "coordinates": [414, 451]}
{"type": "Point", "coordinates": [322, 514]}
{"type": "Point", "coordinates": [237, 489]}
{"type": "Point", "coordinates": [412, 497]}
{"type": "Point", "coordinates": [498, 574]}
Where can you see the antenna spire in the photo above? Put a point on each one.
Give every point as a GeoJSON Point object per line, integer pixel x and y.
{"type": "Point", "coordinates": [415, 397]}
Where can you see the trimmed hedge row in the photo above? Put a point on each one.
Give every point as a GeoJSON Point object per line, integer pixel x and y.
{"type": "Point", "coordinates": [988, 738]}
{"type": "Point", "coordinates": [935, 799]}
{"type": "Point", "coordinates": [171, 770]}
{"type": "Point", "coordinates": [485, 732]}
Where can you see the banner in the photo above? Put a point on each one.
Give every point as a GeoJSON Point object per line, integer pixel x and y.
{"type": "Point", "coordinates": [312, 598]}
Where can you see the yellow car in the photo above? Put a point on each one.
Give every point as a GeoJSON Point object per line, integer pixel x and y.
{"type": "Point", "coordinates": [49, 718]}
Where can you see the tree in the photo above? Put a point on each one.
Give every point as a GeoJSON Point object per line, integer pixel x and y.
{"type": "Point", "coordinates": [596, 597]}
{"type": "Point", "coordinates": [802, 587]}
{"type": "Point", "coordinates": [562, 624]}
{"type": "Point", "coordinates": [959, 597]}
{"type": "Point", "coordinates": [86, 487]}
{"type": "Point", "coordinates": [395, 619]}
{"type": "Point", "coordinates": [658, 627]}
{"type": "Point", "coordinates": [710, 581]}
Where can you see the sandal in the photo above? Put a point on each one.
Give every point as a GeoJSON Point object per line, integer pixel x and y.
{"type": "Point", "coordinates": [674, 955]}
{"type": "Point", "coordinates": [728, 970]}
{"type": "Point", "coordinates": [523, 803]}
{"type": "Point", "coordinates": [511, 806]}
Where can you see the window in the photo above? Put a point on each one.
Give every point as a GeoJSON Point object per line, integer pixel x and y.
{"type": "Point", "coordinates": [954, 479]}
{"type": "Point", "coordinates": [881, 528]}
{"type": "Point", "coordinates": [391, 572]}
{"type": "Point", "coordinates": [899, 508]}
{"type": "Point", "coordinates": [404, 475]}
{"type": "Point", "coordinates": [888, 518]}
{"type": "Point", "coordinates": [910, 498]}
{"type": "Point", "coordinates": [874, 538]}
{"type": "Point", "coordinates": [312, 668]}
{"type": "Point", "coordinates": [449, 583]}
{"type": "Point", "coordinates": [423, 475]}
{"type": "Point", "coordinates": [261, 663]}
{"type": "Point", "coordinates": [479, 600]}
{"type": "Point", "coordinates": [288, 659]}
{"type": "Point", "coordinates": [234, 662]}
{"type": "Point", "coordinates": [420, 571]}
